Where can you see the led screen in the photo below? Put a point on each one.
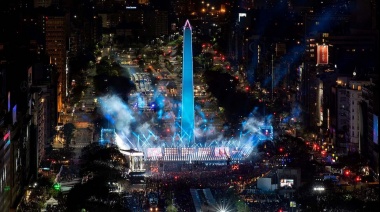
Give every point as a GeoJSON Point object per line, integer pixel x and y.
{"type": "Point", "coordinates": [204, 151]}
{"type": "Point", "coordinates": [171, 151]}
{"type": "Point", "coordinates": [221, 151]}
{"type": "Point", "coordinates": [286, 183]}
{"type": "Point", "coordinates": [187, 151]}
{"type": "Point", "coordinates": [154, 152]}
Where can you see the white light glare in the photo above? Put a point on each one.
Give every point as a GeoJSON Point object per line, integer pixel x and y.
{"type": "Point", "coordinates": [318, 188]}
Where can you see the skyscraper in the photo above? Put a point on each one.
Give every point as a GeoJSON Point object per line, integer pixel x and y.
{"type": "Point", "coordinates": [187, 112]}
{"type": "Point", "coordinates": [56, 48]}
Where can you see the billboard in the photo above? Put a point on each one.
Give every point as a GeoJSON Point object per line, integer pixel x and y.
{"type": "Point", "coordinates": [286, 183]}
{"type": "Point", "coordinates": [322, 54]}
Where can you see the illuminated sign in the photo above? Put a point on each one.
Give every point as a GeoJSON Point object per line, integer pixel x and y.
{"type": "Point", "coordinates": [322, 54]}
{"type": "Point", "coordinates": [7, 138]}
{"type": "Point", "coordinates": [375, 129]}
{"type": "Point", "coordinates": [9, 101]}
{"type": "Point", "coordinates": [286, 183]}
{"type": "Point", "coordinates": [57, 186]}
{"type": "Point", "coordinates": [242, 15]}
{"type": "Point", "coordinates": [14, 114]}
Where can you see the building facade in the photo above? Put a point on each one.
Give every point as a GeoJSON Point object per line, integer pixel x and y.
{"type": "Point", "coordinates": [56, 37]}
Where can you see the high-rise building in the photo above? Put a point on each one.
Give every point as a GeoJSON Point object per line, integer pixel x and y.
{"type": "Point", "coordinates": [21, 46]}
{"type": "Point", "coordinates": [349, 120]}
{"type": "Point", "coordinates": [187, 112]}
{"type": "Point", "coordinates": [41, 109]}
{"type": "Point", "coordinates": [146, 2]}
{"type": "Point", "coordinates": [15, 126]}
{"type": "Point", "coordinates": [161, 23]}
{"type": "Point", "coordinates": [42, 3]}
{"type": "Point", "coordinates": [370, 141]}
{"type": "Point", "coordinates": [5, 165]}
{"type": "Point", "coordinates": [350, 45]}
{"type": "Point", "coordinates": [56, 49]}
{"type": "Point", "coordinates": [155, 22]}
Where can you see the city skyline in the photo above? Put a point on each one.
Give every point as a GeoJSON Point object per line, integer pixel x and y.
{"type": "Point", "coordinates": [295, 83]}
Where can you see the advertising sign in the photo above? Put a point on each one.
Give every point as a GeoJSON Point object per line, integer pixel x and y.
{"type": "Point", "coordinates": [286, 183]}
{"type": "Point", "coordinates": [322, 54]}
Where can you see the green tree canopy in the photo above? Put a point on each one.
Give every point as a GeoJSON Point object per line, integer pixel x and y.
{"type": "Point", "coordinates": [171, 208]}
{"type": "Point", "coordinates": [68, 130]}
{"type": "Point", "coordinates": [241, 206]}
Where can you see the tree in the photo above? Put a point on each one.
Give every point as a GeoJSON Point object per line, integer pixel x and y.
{"type": "Point", "coordinates": [171, 208]}
{"type": "Point", "coordinates": [80, 193]}
{"type": "Point", "coordinates": [137, 52]}
{"type": "Point", "coordinates": [103, 67]}
{"type": "Point", "coordinates": [241, 206]}
{"type": "Point", "coordinates": [141, 63]}
{"type": "Point", "coordinates": [76, 92]}
{"type": "Point", "coordinates": [68, 130]}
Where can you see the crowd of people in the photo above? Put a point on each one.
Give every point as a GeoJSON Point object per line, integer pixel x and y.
{"type": "Point", "coordinates": [178, 179]}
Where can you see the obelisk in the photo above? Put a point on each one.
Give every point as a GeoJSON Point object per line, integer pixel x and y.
{"type": "Point", "coordinates": [187, 112]}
